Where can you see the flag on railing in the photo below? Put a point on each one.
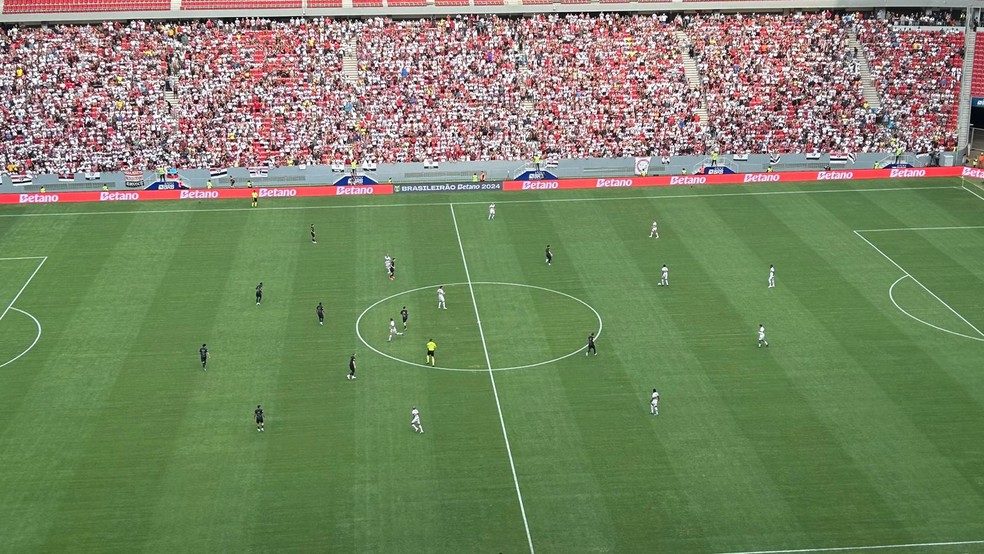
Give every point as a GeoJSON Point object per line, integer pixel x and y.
{"type": "Point", "coordinates": [338, 166]}
{"type": "Point", "coordinates": [740, 157]}
{"type": "Point", "coordinates": [256, 172]}
{"type": "Point", "coordinates": [838, 157]}
{"type": "Point", "coordinates": [20, 179]}
{"type": "Point", "coordinates": [642, 164]}
{"type": "Point", "coordinates": [552, 161]}
{"type": "Point", "coordinates": [774, 158]}
{"type": "Point", "coordinates": [218, 173]}
{"type": "Point", "coordinates": [813, 156]}
{"type": "Point", "coordinates": [852, 157]}
{"type": "Point", "coordinates": [133, 179]}
{"type": "Point", "coordinates": [93, 175]}
{"type": "Point", "coordinates": [66, 177]}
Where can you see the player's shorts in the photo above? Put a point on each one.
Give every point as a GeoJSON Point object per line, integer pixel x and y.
{"type": "Point", "coordinates": [430, 352]}
{"type": "Point", "coordinates": [204, 358]}
{"type": "Point", "coordinates": [761, 336]}
{"type": "Point", "coordinates": [259, 420]}
{"type": "Point", "coordinates": [405, 319]}
{"type": "Point", "coordinates": [415, 420]}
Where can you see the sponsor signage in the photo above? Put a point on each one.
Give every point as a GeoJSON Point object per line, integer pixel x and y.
{"type": "Point", "coordinates": [977, 102]}
{"type": "Point", "coordinates": [736, 178]}
{"type": "Point", "coordinates": [190, 194]}
{"type": "Point", "coordinates": [166, 185]}
{"type": "Point", "coordinates": [717, 170]}
{"type": "Point", "coordinates": [447, 187]}
{"type": "Point", "coordinates": [357, 180]}
{"type": "Point", "coordinates": [535, 175]}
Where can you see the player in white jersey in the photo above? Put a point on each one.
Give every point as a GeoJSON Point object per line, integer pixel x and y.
{"type": "Point", "coordinates": [393, 330]}
{"type": "Point", "coordinates": [415, 420]}
{"type": "Point", "coordinates": [654, 405]}
{"type": "Point", "coordinates": [762, 336]}
{"type": "Point", "coordinates": [389, 263]}
{"type": "Point", "coordinates": [491, 211]}
{"type": "Point", "coordinates": [665, 280]}
{"type": "Point", "coordinates": [772, 276]}
{"type": "Point", "coordinates": [440, 298]}
{"type": "Point", "coordinates": [654, 234]}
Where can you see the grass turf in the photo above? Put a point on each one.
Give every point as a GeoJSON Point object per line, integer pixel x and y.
{"type": "Point", "coordinates": [857, 426]}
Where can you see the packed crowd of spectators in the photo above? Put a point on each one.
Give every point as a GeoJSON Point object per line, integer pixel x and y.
{"type": "Point", "coordinates": [917, 74]}
{"type": "Point", "coordinates": [779, 83]}
{"type": "Point", "coordinates": [254, 91]}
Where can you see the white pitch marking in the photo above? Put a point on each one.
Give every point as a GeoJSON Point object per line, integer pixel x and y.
{"type": "Point", "coordinates": [36, 338]}
{"type": "Point", "coordinates": [21, 291]}
{"type": "Point", "coordinates": [972, 192]}
{"type": "Point", "coordinates": [874, 547]}
{"type": "Point", "coordinates": [23, 258]}
{"type": "Point", "coordinates": [919, 229]}
{"type": "Point", "coordinates": [495, 391]}
{"type": "Point", "coordinates": [916, 281]}
{"type": "Point", "coordinates": [483, 202]}
{"type": "Point", "coordinates": [358, 331]}
{"type": "Point", "coordinates": [901, 309]}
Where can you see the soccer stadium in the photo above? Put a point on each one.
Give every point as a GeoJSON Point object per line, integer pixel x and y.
{"type": "Point", "coordinates": [491, 276]}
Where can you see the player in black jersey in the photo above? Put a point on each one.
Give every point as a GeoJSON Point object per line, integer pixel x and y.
{"type": "Point", "coordinates": [405, 315]}
{"type": "Point", "coordinates": [321, 314]}
{"type": "Point", "coordinates": [259, 293]}
{"type": "Point", "coordinates": [591, 345]}
{"type": "Point", "coordinates": [392, 268]}
{"type": "Point", "coordinates": [549, 255]}
{"type": "Point", "coordinates": [314, 238]}
{"type": "Point", "coordinates": [351, 374]}
{"type": "Point", "coordinates": [203, 351]}
{"type": "Point", "coordinates": [258, 414]}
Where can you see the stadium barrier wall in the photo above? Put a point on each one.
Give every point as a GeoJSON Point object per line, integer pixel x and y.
{"type": "Point", "coordinates": [602, 182]}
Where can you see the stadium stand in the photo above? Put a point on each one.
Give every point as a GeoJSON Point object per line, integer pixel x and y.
{"type": "Point", "coordinates": [977, 82]}
{"type": "Point", "coordinates": [73, 6]}
{"type": "Point", "coordinates": [240, 4]}
{"type": "Point", "coordinates": [918, 76]}
{"type": "Point", "coordinates": [781, 83]}
{"type": "Point", "coordinates": [253, 91]}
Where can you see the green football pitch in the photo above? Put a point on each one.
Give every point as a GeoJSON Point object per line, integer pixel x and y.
{"type": "Point", "coordinates": [858, 428]}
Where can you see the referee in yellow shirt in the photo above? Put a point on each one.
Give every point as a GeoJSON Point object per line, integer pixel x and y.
{"type": "Point", "coordinates": [431, 347]}
{"type": "Point", "coordinates": [255, 195]}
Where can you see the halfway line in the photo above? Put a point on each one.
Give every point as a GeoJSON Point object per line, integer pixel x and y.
{"type": "Point", "coordinates": [843, 548]}
{"type": "Point", "coordinates": [495, 391]}
{"type": "Point", "coordinates": [916, 281]}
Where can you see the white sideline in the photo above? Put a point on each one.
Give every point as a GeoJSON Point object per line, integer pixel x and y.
{"type": "Point", "coordinates": [919, 229]}
{"type": "Point", "coordinates": [844, 548]}
{"type": "Point", "coordinates": [532, 201]}
{"type": "Point", "coordinates": [916, 281]}
{"type": "Point", "coordinates": [972, 192]}
{"type": "Point", "coordinates": [21, 291]}
{"type": "Point", "coordinates": [495, 391]}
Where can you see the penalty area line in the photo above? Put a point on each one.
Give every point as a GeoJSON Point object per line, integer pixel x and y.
{"type": "Point", "coordinates": [28, 282]}
{"type": "Point", "coordinates": [916, 281]}
{"type": "Point", "coordinates": [854, 548]}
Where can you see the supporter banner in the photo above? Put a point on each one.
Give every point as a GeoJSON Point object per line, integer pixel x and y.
{"type": "Point", "coordinates": [93, 175]}
{"type": "Point", "coordinates": [191, 194]}
{"type": "Point", "coordinates": [338, 166]}
{"type": "Point", "coordinates": [20, 179]}
{"type": "Point", "coordinates": [534, 175]}
{"type": "Point", "coordinates": [642, 165]}
{"type": "Point", "coordinates": [258, 172]}
{"type": "Point", "coordinates": [430, 164]}
{"type": "Point", "coordinates": [736, 178]}
{"type": "Point", "coordinates": [774, 158]}
{"type": "Point", "coordinates": [840, 158]}
{"type": "Point", "coordinates": [740, 157]}
{"type": "Point", "coordinates": [447, 187]}
{"type": "Point", "coordinates": [552, 161]}
{"type": "Point", "coordinates": [357, 180]}
{"type": "Point", "coordinates": [133, 179]}
{"type": "Point", "coordinates": [813, 156]}
{"type": "Point", "coordinates": [216, 173]}
{"type": "Point", "coordinates": [66, 177]}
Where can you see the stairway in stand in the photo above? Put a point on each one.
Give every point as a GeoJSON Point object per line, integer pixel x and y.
{"type": "Point", "coordinates": [693, 75]}
{"type": "Point", "coordinates": [868, 85]}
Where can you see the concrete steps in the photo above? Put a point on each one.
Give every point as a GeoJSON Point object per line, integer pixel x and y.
{"type": "Point", "coordinates": [869, 91]}
{"type": "Point", "coordinates": [693, 75]}
{"type": "Point", "coordinates": [966, 80]}
{"type": "Point", "coordinates": [171, 98]}
{"type": "Point", "coordinates": [350, 63]}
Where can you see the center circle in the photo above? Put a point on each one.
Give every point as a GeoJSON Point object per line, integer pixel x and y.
{"type": "Point", "coordinates": [465, 303]}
